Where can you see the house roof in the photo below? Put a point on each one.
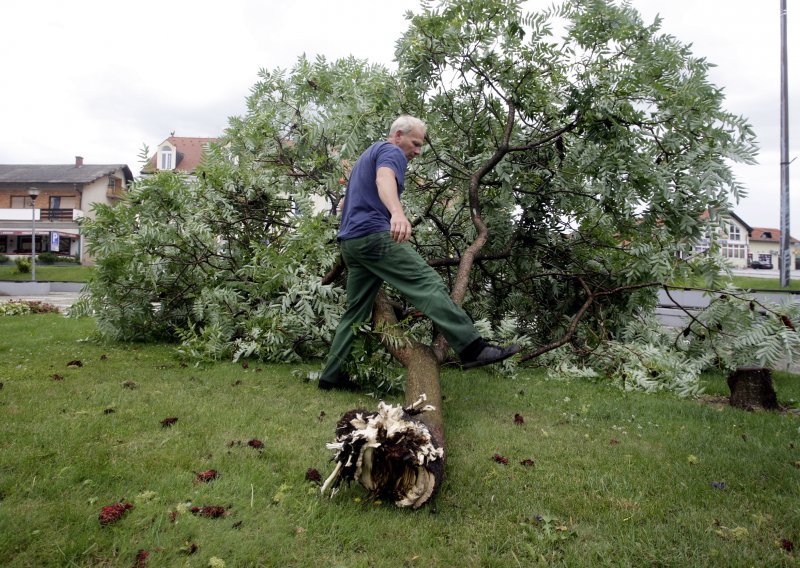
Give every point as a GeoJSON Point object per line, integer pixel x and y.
{"type": "Point", "coordinates": [706, 214]}
{"type": "Point", "coordinates": [189, 153]}
{"type": "Point", "coordinates": [767, 234]}
{"type": "Point", "coordinates": [59, 173]}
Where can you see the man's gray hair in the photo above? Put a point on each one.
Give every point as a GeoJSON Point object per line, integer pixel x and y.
{"type": "Point", "coordinates": [406, 124]}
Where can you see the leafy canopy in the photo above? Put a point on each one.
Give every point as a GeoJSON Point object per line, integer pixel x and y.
{"type": "Point", "coordinates": [573, 155]}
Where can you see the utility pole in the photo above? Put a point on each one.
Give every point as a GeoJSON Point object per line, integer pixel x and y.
{"type": "Point", "coordinates": [785, 252]}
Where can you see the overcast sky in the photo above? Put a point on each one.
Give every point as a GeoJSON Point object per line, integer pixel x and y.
{"type": "Point", "coordinates": [100, 78]}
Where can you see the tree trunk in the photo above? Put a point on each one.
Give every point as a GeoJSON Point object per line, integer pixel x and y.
{"type": "Point", "coordinates": [751, 389]}
{"type": "Point", "coordinates": [398, 453]}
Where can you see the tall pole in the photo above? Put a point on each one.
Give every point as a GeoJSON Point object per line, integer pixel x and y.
{"type": "Point", "coordinates": [785, 253]}
{"type": "Point", "coordinates": [33, 193]}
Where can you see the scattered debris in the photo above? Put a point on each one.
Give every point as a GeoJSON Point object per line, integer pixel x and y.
{"type": "Point", "coordinates": [189, 548]}
{"type": "Point", "coordinates": [210, 511]}
{"type": "Point", "coordinates": [113, 513]}
{"type": "Point", "coordinates": [129, 385]}
{"type": "Point", "coordinates": [256, 443]}
{"type": "Point", "coordinates": [518, 419]}
{"type": "Point", "coordinates": [528, 462]}
{"type": "Point", "coordinates": [500, 459]}
{"type": "Point", "coordinates": [141, 558]}
{"type": "Point", "coordinates": [206, 476]}
{"type": "Point", "coordinates": [313, 475]}
{"type": "Point", "coordinates": [75, 363]}
{"type": "Point", "coordinates": [167, 422]}
{"type": "Point", "coordinates": [57, 377]}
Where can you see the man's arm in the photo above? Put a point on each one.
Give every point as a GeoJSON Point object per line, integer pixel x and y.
{"type": "Point", "coordinates": [387, 191]}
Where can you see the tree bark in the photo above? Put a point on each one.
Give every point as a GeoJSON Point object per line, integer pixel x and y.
{"type": "Point", "coordinates": [751, 389]}
{"type": "Point", "coordinates": [422, 370]}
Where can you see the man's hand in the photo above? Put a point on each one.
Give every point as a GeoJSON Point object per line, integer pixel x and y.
{"type": "Point", "coordinates": [401, 229]}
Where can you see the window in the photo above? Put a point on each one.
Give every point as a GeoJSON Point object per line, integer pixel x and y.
{"type": "Point", "coordinates": [733, 251]}
{"type": "Point", "coordinates": [20, 202]}
{"type": "Point", "coordinates": [734, 232]}
{"type": "Point", "coordinates": [166, 158]}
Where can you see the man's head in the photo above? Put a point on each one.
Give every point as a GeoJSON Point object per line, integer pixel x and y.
{"type": "Point", "coordinates": [408, 133]}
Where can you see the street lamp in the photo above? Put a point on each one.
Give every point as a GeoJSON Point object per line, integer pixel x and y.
{"type": "Point", "coordinates": [33, 193]}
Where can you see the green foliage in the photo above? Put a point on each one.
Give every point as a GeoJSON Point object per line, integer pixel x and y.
{"type": "Point", "coordinates": [593, 159]}
{"type": "Point", "coordinates": [47, 258]}
{"type": "Point", "coordinates": [26, 307]}
{"type": "Point", "coordinates": [23, 265]}
{"type": "Point", "coordinates": [3, 258]}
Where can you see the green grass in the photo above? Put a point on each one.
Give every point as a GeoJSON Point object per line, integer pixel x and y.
{"type": "Point", "coordinates": [619, 479]}
{"type": "Point", "coordinates": [752, 283]}
{"type": "Point", "coordinates": [45, 272]}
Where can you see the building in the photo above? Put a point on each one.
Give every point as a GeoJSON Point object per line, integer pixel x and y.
{"type": "Point", "coordinates": [66, 194]}
{"type": "Point", "coordinates": [732, 238]}
{"type": "Point", "coordinates": [765, 246]}
{"type": "Point", "coordinates": [744, 245]}
{"type": "Point", "coordinates": [178, 154]}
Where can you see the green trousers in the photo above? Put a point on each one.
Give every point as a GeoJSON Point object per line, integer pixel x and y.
{"type": "Point", "coordinates": [374, 259]}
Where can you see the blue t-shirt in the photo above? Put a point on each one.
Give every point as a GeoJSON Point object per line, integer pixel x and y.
{"type": "Point", "coordinates": [364, 213]}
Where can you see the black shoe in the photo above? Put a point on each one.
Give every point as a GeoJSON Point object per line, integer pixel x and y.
{"type": "Point", "coordinates": [488, 355]}
{"type": "Point", "coordinates": [344, 383]}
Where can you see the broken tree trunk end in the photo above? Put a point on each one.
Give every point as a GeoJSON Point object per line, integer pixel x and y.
{"type": "Point", "coordinates": [751, 389]}
{"type": "Point", "coordinates": [389, 452]}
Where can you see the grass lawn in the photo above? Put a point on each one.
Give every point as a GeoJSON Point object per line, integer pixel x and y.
{"type": "Point", "coordinates": [618, 479]}
{"type": "Point", "coordinates": [753, 283]}
{"type": "Point", "coordinates": [48, 272]}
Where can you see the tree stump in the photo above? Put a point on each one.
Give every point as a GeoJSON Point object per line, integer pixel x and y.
{"type": "Point", "coordinates": [751, 389]}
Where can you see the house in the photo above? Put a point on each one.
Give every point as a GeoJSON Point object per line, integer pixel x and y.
{"type": "Point", "coordinates": [765, 246]}
{"type": "Point", "coordinates": [733, 240]}
{"type": "Point", "coordinates": [178, 154]}
{"type": "Point", "coordinates": [54, 198]}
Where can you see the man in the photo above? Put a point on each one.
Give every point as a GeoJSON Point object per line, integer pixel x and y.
{"type": "Point", "coordinates": [373, 237]}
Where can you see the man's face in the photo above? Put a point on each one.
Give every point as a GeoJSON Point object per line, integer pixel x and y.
{"type": "Point", "coordinates": [410, 143]}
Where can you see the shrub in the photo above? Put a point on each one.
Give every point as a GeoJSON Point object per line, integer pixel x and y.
{"type": "Point", "coordinates": [47, 258]}
{"type": "Point", "coordinates": [23, 265]}
{"type": "Point", "coordinates": [26, 307]}
{"type": "Point", "coordinates": [3, 259]}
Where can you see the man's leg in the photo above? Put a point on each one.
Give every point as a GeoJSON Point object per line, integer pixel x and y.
{"type": "Point", "coordinates": [403, 268]}
{"type": "Point", "coordinates": [362, 287]}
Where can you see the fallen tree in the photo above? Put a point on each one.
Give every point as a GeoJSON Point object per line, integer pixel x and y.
{"type": "Point", "coordinates": [563, 180]}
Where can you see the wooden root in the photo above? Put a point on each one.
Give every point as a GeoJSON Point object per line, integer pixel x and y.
{"type": "Point", "coordinates": [390, 452]}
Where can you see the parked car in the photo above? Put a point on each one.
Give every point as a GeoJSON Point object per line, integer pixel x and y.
{"type": "Point", "coordinates": [761, 264]}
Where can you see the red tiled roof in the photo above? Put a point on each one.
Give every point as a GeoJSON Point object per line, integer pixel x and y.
{"type": "Point", "coordinates": [189, 153]}
{"type": "Point", "coordinates": [769, 235]}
